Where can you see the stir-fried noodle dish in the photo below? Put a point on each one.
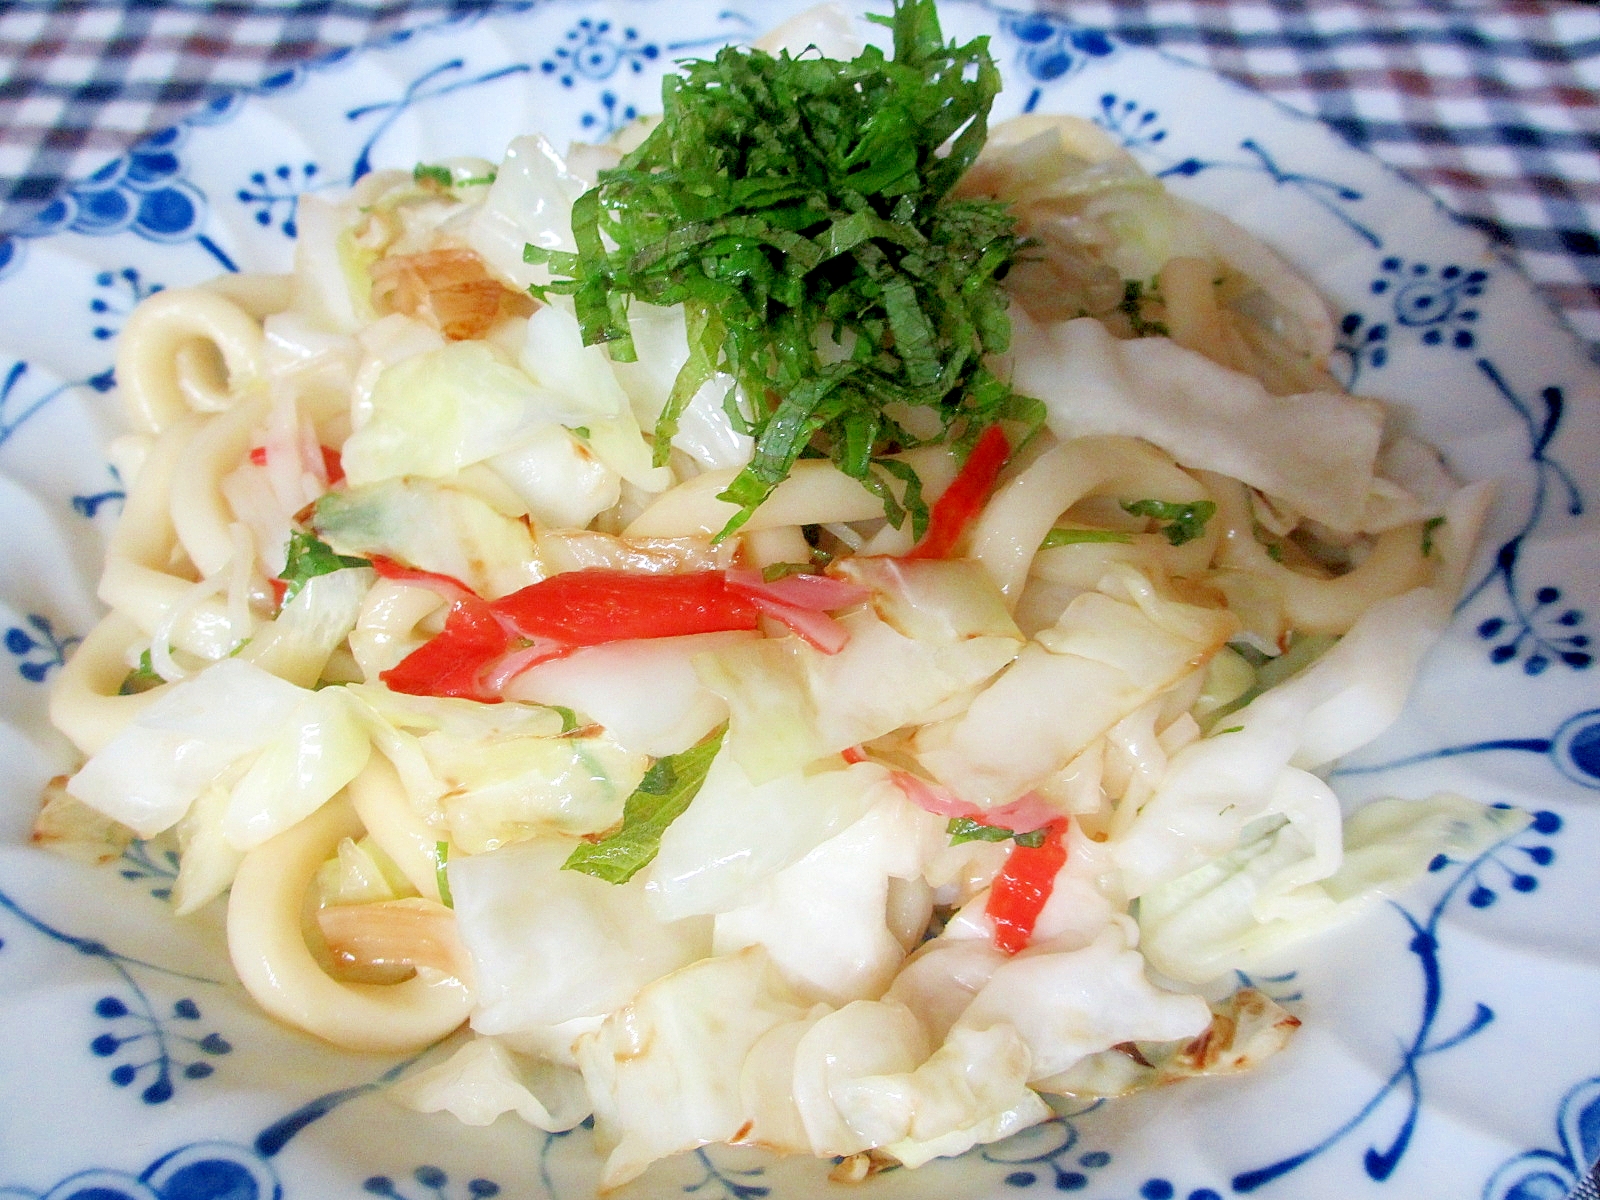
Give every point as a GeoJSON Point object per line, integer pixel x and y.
{"type": "Point", "coordinates": [818, 623]}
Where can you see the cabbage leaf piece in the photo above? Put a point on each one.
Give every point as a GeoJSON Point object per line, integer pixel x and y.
{"type": "Point", "coordinates": [149, 774]}
{"type": "Point", "coordinates": [823, 919]}
{"type": "Point", "coordinates": [483, 1080]}
{"type": "Point", "coordinates": [1215, 918]}
{"type": "Point", "coordinates": [434, 525]}
{"type": "Point", "coordinates": [1246, 1029]}
{"type": "Point", "coordinates": [550, 946]}
{"type": "Point", "coordinates": [297, 644]}
{"type": "Point", "coordinates": [1316, 451]}
{"type": "Point", "coordinates": [493, 774]}
{"type": "Point", "coordinates": [1108, 655]}
{"type": "Point", "coordinates": [736, 835]}
{"type": "Point", "coordinates": [934, 629]}
{"type": "Point", "coordinates": [439, 411]}
{"type": "Point", "coordinates": [972, 1090]}
{"type": "Point", "coordinates": [664, 1069]}
{"type": "Point", "coordinates": [1215, 787]}
{"type": "Point", "coordinates": [1068, 1004]}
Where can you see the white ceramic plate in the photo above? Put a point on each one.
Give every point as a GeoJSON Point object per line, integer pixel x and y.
{"type": "Point", "coordinates": [1450, 1046]}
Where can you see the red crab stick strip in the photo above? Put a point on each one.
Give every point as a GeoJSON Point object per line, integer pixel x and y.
{"type": "Point", "coordinates": [454, 661]}
{"type": "Point", "coordinates": [956, 507]}
{"type": "Point", "coordinates": [598, 605]}
{"type": "Point", "coordinates": [801, 602]}
{"type": "Point", "coordinates": [484, 644]}
{"type": "Point", "coordinates": [447, 586]}
{"type": "Point", "coordinates": [1021, 890]}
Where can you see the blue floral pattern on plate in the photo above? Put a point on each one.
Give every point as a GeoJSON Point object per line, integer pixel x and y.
{"type": "Point", "coordinates": [1425, 314]}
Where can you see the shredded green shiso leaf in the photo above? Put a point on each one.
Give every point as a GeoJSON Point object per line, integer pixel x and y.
{"type": "Point", "coordinates": [659, 800]}
{"type": "Point", "coordinates": [965, 829]}
{"type": "Point", "coordinates": [307, 557]}
{"type": "Point", "coordinates": [801, 211]}
{"type": "Point", "coordinates": [141, 678]}
{"type": "Point", "coordinates": [1181, 522]}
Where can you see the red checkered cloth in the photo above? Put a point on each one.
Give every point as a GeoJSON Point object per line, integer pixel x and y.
{"type": "Point", "coordinates": [1494, 107]}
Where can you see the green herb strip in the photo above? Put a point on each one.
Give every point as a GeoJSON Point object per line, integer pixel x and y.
{"type": "Point", "coordinates": [1182, 522]}
{"type": "Point", "coordinates": [1429, 528]}
{"type": "Point", "coordinates": [965, 829]}
{"type": "Point", "coordinates": [662, 795]}
{"type": "Point", "coordinates": [792, 202]}
{"type": "Point", "coordinates": [441, 876]}
{"type": "Point", "coordinates": [773, 572]}
{"type": "Point", "coordinates": [1134, 295]}
{"type": "Point", "coordinates": [141, 679]}
{"type": "Point", "coordinates": [441, 176]}
{"type": "Point", "coordinates": [1072, 537]}
{"type": "Point", "coordinates": [309, 557]}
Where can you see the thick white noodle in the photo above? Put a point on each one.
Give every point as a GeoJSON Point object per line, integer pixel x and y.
{"type": "Point", "coordinates": [85, 703]}
{"type": "Point", "coordinates": [145, 576]}
{"type": "Point", "coordinates": [816, 493]}
{"type": "Point", "coordinates": [1008, 533]}
{"type": "Point", "coordinates": [266, 940]}
{"type": "Point", "coordinates": [148, 597]}
{"type": "Point", "coordinates": [197, 594]}
{"type": "Point", "coordinates": [1395, 564]}
{"type": "Point", "coordinates": [185, 350]}
{"type": "Point", "coordinates": [384, 631]}
{"type": "Point", "coordinates": [201, 514]}
{"type": "Point", "coordinates": [383, 805]}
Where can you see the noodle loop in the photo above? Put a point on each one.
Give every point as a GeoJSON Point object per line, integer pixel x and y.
{"type": "Point", "coordinates": [267, 942]}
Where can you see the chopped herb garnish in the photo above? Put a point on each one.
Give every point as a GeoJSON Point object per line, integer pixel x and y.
{"type": "Point", "coordinates": [773, 572]}
{"type": "Point", "coordinates": [797, 203]}
{"type": "Point", "coordinates": [1303, 650]}
{"type": "Point", "coordinates": [569, 719]}
{"type": "Point", "coordinates": [1061, 536]}
{"type": "Point", "coordinates": [1135, 293]}
{"type": "Point", "coordinates": [662, 795]}
{"type": "Point", "coordinates": [1428, 528]}
{"type": "Point", "coordinates": [141, 679]}
{"type": "Point", "coordinates": [1183, 522]}
{"type": "Point", "coordinates": [1230, 729]}
{"type": "Point", "coordinates": [309, 557]}
{"type": "Point", "coordinates": [1275, 552]}
{"type": "Point", "coordinates": [441, 860]}
{"type": "Point", "coordinates": [965, 829]}
{"type": "Point", "coordinates": [443, 177]}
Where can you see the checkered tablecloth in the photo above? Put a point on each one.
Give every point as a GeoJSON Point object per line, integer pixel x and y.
{"type": "Point", "coordinates": [1494, 107]}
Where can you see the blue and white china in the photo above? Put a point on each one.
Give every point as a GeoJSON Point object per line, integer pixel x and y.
{"type": "Point", "coordinates": [1451, 1045]}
